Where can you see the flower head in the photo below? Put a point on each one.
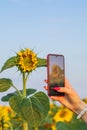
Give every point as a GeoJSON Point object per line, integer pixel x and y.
{"type": "Point", "coordinates": [4, 117]}
{"type": "Point", "coordinates": [63, 115]}
{"type": "Point", "coordinates": [26, 60]}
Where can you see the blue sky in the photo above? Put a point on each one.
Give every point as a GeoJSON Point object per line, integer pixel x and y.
{"type": "Point", "coordinates": [48, 26]}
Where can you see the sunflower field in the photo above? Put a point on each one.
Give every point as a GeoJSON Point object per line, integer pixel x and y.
{"type": "Point", "coordinates": [28, 108]}
{"type": "Point", "coordinates": [58, 118]}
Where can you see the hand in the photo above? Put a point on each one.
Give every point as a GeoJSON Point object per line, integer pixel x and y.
{"type": "Point", "coordinates": [71, 99]}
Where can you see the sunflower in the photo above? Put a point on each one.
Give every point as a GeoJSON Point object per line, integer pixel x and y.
{"type": "Point", "coordinates": [50, 126]}
{"type": "Point", "coordinates": [4, 118]}
{"type": "Point", "coordinates": [53, 127]}
{"type": "Point", "coordinates": [26, 60]}
{"type": "Point", "coordinates": [63, 115]}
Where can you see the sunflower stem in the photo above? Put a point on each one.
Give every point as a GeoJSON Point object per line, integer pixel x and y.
{"type": "Point", "coordinates": [10, 125]}
{"type": "Point", "coordinates": [24, 85]}
{"type": "Point", "coordinates": [25, 126]}
{"type": "Point", "coordinates": [27, 76]}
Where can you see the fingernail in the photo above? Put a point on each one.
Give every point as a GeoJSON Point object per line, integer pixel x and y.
{"type": "Point", "coordinates": [56, 88]}
{"type": "Point", "coordinates": [45, 81]}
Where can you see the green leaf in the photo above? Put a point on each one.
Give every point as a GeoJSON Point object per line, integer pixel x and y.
{"type": "Point", "coordinates": [36, 107]}
{"type": "Point", "coordinates": [5, 84]}
{"type": "Point", "coordinates": [33, 109]}
{"type": "Point", "coordinates": [15, 103]}
{"type": "Point", "coordinates": [78, 125]}
{"type": "Point", "coordinates": [30, 91]}
{"type": "Point", "coordinates": [41, 62]}
{"type": "Point", "coordinates": [33, 116]}
{"type": "Point", "coordinates": [11, 62]}
{"type": "Point", "coordinates": [73, 125]}
{"type": "Point", "coordinates": [42, 99]}
{"type": "Point", "coordinates": [63, 126]}
{"type": "Point", "coordinates": [7, 97]}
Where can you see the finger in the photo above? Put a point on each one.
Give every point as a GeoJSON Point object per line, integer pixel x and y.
{"type": "Point", "coordinates": [45, 87]}
{"type": "Point", "coordinates": [65, 90]}
{"type": "Point", "coordinates": [46, 81]}
{"type": "Point", "coordinates": [58, 98]}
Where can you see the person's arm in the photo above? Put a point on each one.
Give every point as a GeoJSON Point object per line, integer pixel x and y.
{"type": "Point", "coordinates": [71, 100]}
{"type": "Point", "coordinates": [81, 111]}
{"type": "Point", "coordinates": [84, 117]}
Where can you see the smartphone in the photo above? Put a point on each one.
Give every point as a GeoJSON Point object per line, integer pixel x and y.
{"type": "Point", "coordinates": [55, 73]}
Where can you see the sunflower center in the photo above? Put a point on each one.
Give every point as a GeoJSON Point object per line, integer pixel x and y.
{"type": "Point", "coordinates": [27, 60]}
{"type": "Point", "coordinates": [63, 113]}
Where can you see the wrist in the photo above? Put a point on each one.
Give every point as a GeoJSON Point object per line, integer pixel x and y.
{"type": "Point", "coordinates": [79, 107]}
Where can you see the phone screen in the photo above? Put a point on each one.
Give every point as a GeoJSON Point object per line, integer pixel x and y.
{"type": "Point", "coordinates": [55, 73]}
